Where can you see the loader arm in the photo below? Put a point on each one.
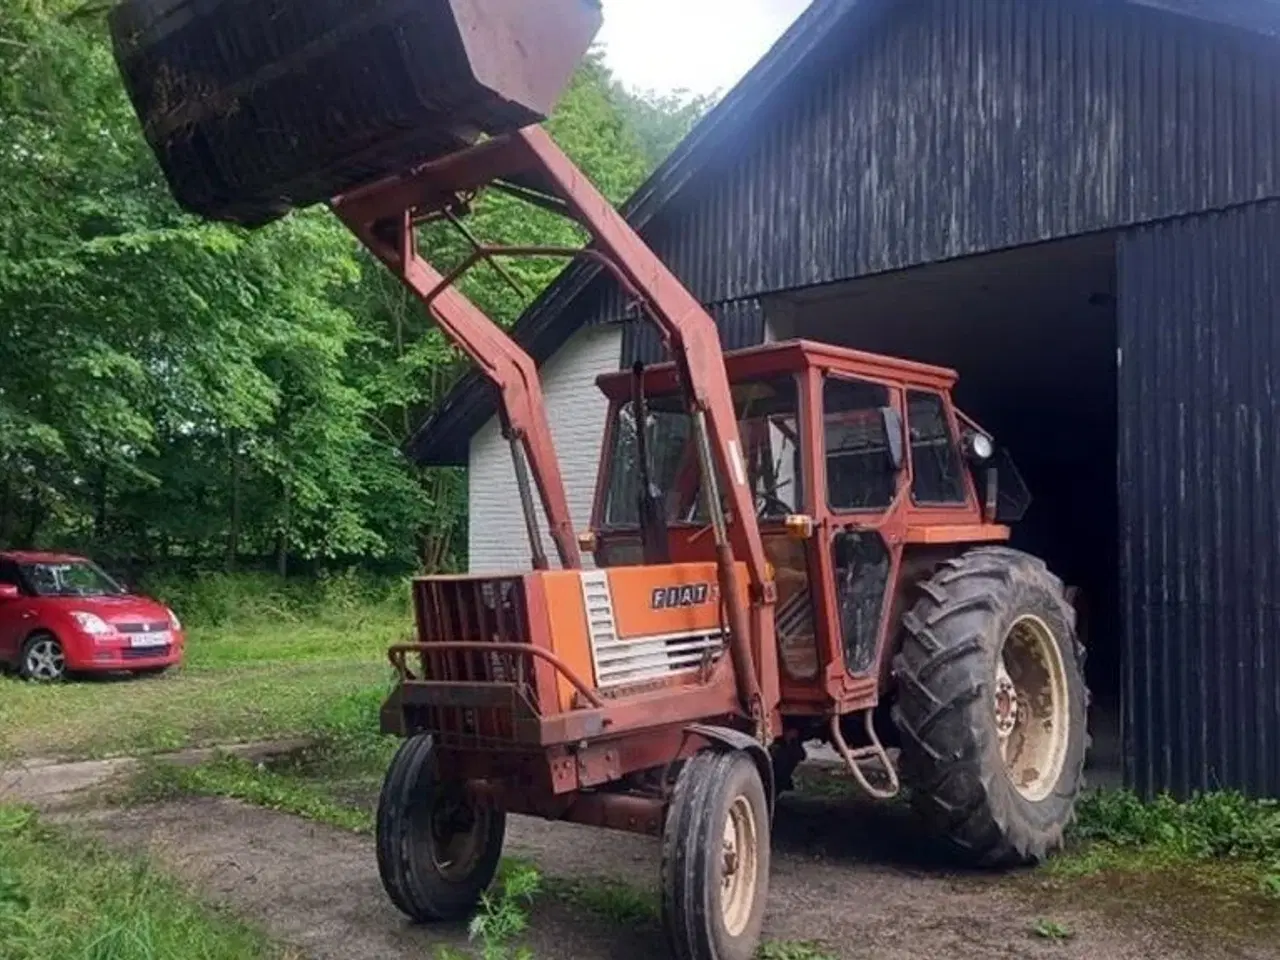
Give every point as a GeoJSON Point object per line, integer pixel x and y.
{"type": "Point", "coordinates": [384, 215]}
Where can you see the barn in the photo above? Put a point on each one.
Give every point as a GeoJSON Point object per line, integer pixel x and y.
{"type": "Point", "coordinates": [1076, 204]}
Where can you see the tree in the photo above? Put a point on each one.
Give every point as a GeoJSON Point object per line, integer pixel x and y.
{"type": "Point", "coordinates": [179, 391]}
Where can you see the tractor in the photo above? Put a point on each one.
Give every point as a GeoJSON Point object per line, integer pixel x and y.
{"type": "Point", "coordinates": [789, 544]}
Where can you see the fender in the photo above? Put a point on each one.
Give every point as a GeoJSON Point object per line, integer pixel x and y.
{"type": "Point", "coordinates": [726, 738]}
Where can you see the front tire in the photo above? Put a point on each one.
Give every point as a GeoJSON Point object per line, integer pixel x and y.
{"type": "Point", "coordinates": [43, 659]}
{"type": "Point", "coordinates": [715, 859]}
{"type": "Point", "coordinates": [438, 849]}
{"type": "Point", "coordinates": [992, 706]}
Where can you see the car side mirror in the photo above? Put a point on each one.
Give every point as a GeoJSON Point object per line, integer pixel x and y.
{"type": "Point", "coordinates": [9, 592]}
{"type": "Point", "coordinates": [892, 421]}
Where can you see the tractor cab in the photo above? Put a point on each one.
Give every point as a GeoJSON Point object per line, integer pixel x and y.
{"type": "Point", "coordinates": [859, 464]}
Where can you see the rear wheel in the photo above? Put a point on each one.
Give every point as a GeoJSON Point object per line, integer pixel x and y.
{"type": "Point", "coordinates": [43, 659]}
{"type": "Point", "coordinates": [438, 848]}
{"type": "Point", "coordinates": [992, 706]}
{"type": "Point", "coordinates": [715, 859]}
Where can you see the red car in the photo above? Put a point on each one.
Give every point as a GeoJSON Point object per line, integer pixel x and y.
{"type": "Point", "coordinates": [62, 614]}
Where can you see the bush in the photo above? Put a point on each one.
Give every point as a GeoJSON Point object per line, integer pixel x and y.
{"type": "Point", "coordinates": [223, 599]}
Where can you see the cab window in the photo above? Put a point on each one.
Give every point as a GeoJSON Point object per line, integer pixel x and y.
{"type": "Point", "coordinates": [937, 474]}
{"type": "Point", "coordinates": [860, 473]}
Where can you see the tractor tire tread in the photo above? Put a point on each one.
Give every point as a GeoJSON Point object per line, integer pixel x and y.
{"type": "Point", "coordinates": [944, 669]}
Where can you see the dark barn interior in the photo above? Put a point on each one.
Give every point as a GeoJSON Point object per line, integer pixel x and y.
{"type": "Point", "coordinates": [1032, 333]}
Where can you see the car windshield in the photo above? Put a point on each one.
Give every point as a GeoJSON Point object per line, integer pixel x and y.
{"type": "Point", "coordinates": [70, 579]}
{"type": "Point", "coordinates": [768, 419]}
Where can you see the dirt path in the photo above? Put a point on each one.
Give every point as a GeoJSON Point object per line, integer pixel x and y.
{"type": "Point", "coordinates": [862, 885]}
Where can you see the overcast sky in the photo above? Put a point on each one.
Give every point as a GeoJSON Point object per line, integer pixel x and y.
{"type": "Point", "coordinates": [696, 45]}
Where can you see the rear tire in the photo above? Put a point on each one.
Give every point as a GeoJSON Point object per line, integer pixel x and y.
{"type": "Point", "coordinates": [715, 859]}
{"type": "Point", "coordinates": [438, 850]}
{"type": "Point", "coordinates": [992, 706]}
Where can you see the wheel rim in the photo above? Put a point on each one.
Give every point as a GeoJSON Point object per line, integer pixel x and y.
{"type": "Point", "coordinates": [1031, 707]}
{"type": "Point", "coordinates": [45, 660]}
{"type": "Point", "coordinates": [740, 867]}
{"type": "Point", "coordinates": [457, 835]}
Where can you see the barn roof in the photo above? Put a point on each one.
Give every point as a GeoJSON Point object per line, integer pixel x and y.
{"type": "Point", "coordinates": [552, 319]}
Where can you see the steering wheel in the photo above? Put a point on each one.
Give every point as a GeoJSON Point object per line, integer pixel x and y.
{"type": "Point", "coordinates": [766, 502]}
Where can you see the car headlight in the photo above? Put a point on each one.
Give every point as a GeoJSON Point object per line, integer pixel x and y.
{"type": "Point", "coordinates": [174, 622]}
{"type": "Point", "coordinates": [93, 624]}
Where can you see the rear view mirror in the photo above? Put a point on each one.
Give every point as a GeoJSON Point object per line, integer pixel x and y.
{"type": "Point", "coordinates": [9, 592]}
{"type": "Point", "coordinates": [893, 436]}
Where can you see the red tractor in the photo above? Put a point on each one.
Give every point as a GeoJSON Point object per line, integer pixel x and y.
{"type": "Point", "coordinates": [790, 543]}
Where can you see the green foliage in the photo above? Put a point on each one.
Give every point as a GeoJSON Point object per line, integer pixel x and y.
{"type": "Point", "coordinates": [611, 900]}
{"type": "Point", "coordinates": [1051, 930]}
{"type": "Point", "coordinates": [1205, 827]}
{"type": "Point", "coordinates": [1118, 830]}
{"type": "Point", "coordinates": [63, 897]}
{"type": "Point", "coordinates": [504, 913]}
{"type": "Point", "coordinates": [793, 950]}
{"type": "Point", "coordinates": [181, 393]}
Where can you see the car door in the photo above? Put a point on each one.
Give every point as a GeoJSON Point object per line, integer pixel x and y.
{"type": "Point", "coordinates": [14, 614]}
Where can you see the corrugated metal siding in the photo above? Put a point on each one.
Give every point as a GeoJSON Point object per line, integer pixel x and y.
{"type": "Point", "coordinates": [741, 324]}
{"type": "Point", "coordinates": [1199, 321]}
{"type": "Point", "coordinates": [911, 132]}
{"type": "Point", "coordinates": [955, 127]}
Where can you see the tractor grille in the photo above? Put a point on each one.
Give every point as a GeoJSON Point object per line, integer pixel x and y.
{"type": "Point", "coordinates": [627, 662]}
{"type": "Point", "coordinates": [488, 610]}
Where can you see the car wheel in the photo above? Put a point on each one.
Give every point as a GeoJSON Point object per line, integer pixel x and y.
{"type": "Point", "coordinates": [43, 659]}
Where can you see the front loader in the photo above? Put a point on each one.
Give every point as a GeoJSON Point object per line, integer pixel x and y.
{"type": "Point", "coordinates": [791, 543]}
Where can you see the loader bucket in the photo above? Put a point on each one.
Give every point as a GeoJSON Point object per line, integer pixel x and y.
{"type": "Point", "coordinates": [256, 107]}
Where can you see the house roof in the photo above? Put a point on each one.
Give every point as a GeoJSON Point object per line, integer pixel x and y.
{"type": "Point", "coordinates": [551, 320]}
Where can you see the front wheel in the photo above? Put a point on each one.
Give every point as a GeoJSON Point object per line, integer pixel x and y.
{"type": "Point", "coordinates": [438, 848]}
{"type": "Point", "coordinates": [715, 859]}
{"type": "Point", "coordinates": [992, 706]}
{"type": "Point", "coordinates": [43, 659]}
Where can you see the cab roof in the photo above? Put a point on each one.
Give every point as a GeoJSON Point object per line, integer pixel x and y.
{"type": "Point", "coordinates": [793, 356]}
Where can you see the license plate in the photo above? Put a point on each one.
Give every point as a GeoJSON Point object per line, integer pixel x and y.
{"type": "Point", "coordinates": [149, 640]}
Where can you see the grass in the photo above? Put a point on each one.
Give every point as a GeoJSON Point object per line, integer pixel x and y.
{"type": "Point", "coordinates": [263, 661]}
{"type": "Point", "coordinates": [61, 897]}
{"type": "Point", "coordinates": [349, 756]}
{"type": "Point", "coordinates": [610, 900]}
{"type": "Point", "coordinates": [793, 950]}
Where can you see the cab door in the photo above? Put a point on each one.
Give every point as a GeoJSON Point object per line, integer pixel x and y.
{"type": "Point", "coordinates": [863, 458]}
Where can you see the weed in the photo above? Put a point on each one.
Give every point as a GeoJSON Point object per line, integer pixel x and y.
{"type": "Point", "coordinates": [610, 900]}
{"type": "Point", "coordinates": [504, 913]}
{"type": "Point", "coordinates": [793, 950]}
{"type": "Point", "coordinates": [1117, 831]}
{"type": "Point", "coordinates": [1051, 930]}
{"type": "Point", "coordinates": [1202, 828]}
